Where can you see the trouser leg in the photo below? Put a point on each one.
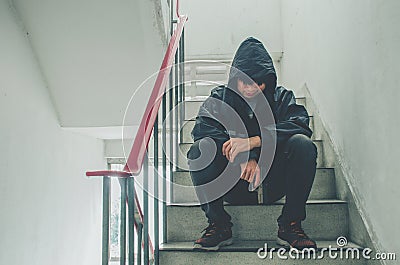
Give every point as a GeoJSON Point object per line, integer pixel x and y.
{"type": "Point", "coordinates": [226, 185]}
{"type": "Point", "coordinates": [211, 203]}
{"type": "Point", "coordinates": [301, 160]}
{"type": "Point", "coordinates": [240, 194]}
{"type": "Point", "coordinates": [292, 174]}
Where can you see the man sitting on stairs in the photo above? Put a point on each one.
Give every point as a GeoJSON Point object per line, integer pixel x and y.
{"type": "Point", "coordinates": [252, 80]}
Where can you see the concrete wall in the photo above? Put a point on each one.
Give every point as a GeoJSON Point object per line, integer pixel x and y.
{"type": "Point", "coordinates": [218, 27]}
{"type": "Point", "coordinates": [347, 52]}
{"type": "Point", "coordinates": [50, 213]}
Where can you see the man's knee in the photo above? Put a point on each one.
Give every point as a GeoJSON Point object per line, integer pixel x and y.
{"type": "Point", "coordinates": [204, 154]}
{"type": "Point", "coordinates": [205, 146]}
{"type": "Point", "coordinates": [194, 151]}
{"type": "Point", "coordinates": [301, 145]}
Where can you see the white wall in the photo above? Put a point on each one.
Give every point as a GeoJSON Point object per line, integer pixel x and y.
{"type": "Point", "coordinates": [218, 27]}
{"type": "Point", "coordinates": [348, 54]}
{"type": "Point", "coordinates": [50, 213]}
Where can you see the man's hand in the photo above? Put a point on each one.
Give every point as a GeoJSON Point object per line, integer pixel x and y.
{"type": "Point", "coordinates": [250, 170]}
{"type": "Point", "coordinates": [234, 146]}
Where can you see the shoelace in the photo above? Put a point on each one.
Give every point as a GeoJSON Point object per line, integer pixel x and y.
{"type": "Point", "coordinates": [209, 230]}
{"type": "Point", "coordinates": [296, 227]}
{"type": "Point", "coordinates": [305, 241]}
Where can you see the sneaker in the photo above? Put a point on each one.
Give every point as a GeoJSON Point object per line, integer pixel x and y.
{"type": "Point", "coordinates": [214, 237]}
{"type": "Point", "coordinates": [293, 236]}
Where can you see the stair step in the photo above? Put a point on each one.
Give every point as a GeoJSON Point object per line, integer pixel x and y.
{"type": "Point", "coordinates": [323, 188]}
{"type": "Point", "coordinates": [184, 148]}
{"type": "Point", "coordinates": [249, 245]}
{"type": "Point", "coordinates": [192, 106]}
{"type": "Point", "coordinates": [326, 220]}
{"type": "Point", "coordinates": [196, 89]}
{"type": "Point", "coordinates": [245, 253]}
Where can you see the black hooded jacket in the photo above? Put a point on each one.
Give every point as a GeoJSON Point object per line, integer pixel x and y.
{"type": "Point", "coordinates": [253, 60]}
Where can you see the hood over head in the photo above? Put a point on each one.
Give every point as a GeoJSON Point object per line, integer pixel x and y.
{"type": "Point", "coordinates": [253, 60]}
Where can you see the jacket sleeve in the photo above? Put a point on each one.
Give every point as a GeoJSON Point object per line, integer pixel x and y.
{"type": "Point", "coordinates": [207, 124]}
{"type": "Point", "coordinates": [291, 119]}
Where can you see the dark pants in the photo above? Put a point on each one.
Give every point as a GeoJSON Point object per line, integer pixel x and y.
{"type": "Point", "coordinates": [291, 174]}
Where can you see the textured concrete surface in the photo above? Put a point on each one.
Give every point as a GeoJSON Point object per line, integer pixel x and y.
{"type": "Point", "coordinates": [323, 187]}
{"type": "Point", "coordinates": [245, 252]}
{"type": "Point", "coordinates": [326, 220]}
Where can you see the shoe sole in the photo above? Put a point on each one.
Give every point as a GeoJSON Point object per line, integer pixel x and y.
{"type": "Point", "coordinates": [284, 243]}
{"type": "Point", "coordinates": [214, 248]}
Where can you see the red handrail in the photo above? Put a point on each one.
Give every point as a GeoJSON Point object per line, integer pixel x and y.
{"type": "Point", "coordinates": [136, 156]}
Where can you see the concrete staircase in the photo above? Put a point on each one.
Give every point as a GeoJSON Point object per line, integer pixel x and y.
{"type": "Point", "coordinates": [254, 225]}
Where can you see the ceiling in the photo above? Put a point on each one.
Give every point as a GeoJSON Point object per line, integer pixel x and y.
{"type": "Point", "coordinates": [94, 54]}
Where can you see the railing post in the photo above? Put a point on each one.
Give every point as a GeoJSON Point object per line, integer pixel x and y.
{"type": "Point", "coordinates": [181, 83]}
{"type": "Point", "coordinates": [171, 131]}
{"type": "Point", "coordinates": [146, 209]}
{"type": "Point", "coordinates": [131, 221]}
{"type": "Point", "coordinates": [106, 221]}
{"type": "Point", "coordinates": [171, 105]}
{"type": "Point", "coordinates": [176, 102]}
{"type": "Point", "coordinates": [164, 167]}
{"type": "Point", "coordinates": [122, 235]}
{"type": "Point", "coordinates": [139, 244]}
{"type": "Point", "coordinates": [156, 194]}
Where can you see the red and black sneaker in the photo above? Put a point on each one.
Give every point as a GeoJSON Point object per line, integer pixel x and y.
{"type": "Point", "coordinates": [214, 237]}
{"type": "Point", "coordinates": [292, 235]}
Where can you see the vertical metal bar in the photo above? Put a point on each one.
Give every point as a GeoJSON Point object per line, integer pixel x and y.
{"type": "Point", "coordinates": [131, 221]}
{"type": "Point", "coordinates": [182, 49]}
{"type": "Point", "coordinates": [176, 118]}
{"type": "Point", "coordinates": [171, 17]}
{"type": "Point", "coordinates": [140, 240]}
{"type": "Point", "coordinates": [171, 130]}
{"type": "Point", "coordinates": [106, 221]}
{"type": "Point", "coordinates": [146, 209]}
{"type": "Point", "coordinates": [122, 235]}
{"type": "Point", "coordinates": [170, 101]}
{"type": "Point", "coordinates": [181, 87]}
{"type": "Point", "coordinates": [156, 194]}
{"type": "Point", "coordinates": [164, 167]}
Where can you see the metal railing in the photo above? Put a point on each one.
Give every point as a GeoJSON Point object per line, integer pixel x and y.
{"type": "Point", "coordinates": [137, 161]}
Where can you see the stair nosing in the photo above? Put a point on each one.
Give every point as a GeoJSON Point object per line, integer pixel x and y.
{"type": "Point", "coordinates": [168, 246]}
{"type": "Point", "coordinates": [309, 202]}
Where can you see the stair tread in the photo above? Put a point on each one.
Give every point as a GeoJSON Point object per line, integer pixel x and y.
{"type": "Point", "coordinates": [326, 220]}
{"type": "Point", "coordinates": [247, 245]}
{"type": "Point", "coordinates": [319, 201]}
{"type": "Point", "coordinates": [323, 186]}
